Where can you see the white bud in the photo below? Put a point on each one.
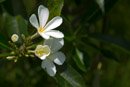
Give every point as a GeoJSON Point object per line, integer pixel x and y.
{"type": "Point", "coordinates": [10, 57]}
{"type": "Point", "coordinates": [99, 66]}
{"type": "Point", "coordinates": [14, 37]}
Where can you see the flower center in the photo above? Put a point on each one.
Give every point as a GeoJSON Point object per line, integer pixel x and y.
{"type": "Point", "coordinates": [41, 29]}
{"type": "Point", "coordinates": [42, 50]}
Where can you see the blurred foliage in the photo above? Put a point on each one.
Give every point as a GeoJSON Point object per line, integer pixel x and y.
{"type": "Point", "coordinates": [97, 43]}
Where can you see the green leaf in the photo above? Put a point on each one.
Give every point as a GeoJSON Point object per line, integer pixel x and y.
{"type": "Point", "coordinates": [15, 7]}
{"type": "Point", "coordinates": [79, 60]}
{"type": "Point", "coordinates": [3, 55]}
{"type": "Point", "coordinates": [3, 43]}
{"type": "Point", "coordinates": [54, 6]}
{"type": "Point", "coordinates": [61, 82]}
{"type": "Point", "coordinates": [118, 42]}
{"type": "Point", "coordinates": [29, 6]}
{"type": "Point", "coordinates": [94, 13]}
{"type": "Point", "coordinates": [15, 25]}
{"type": "Point", "coordinates": [73, 77]}
{"type": "Point", "coordinates": [99, 47]}
{"type": "Point", "coordinates": [2, 1]}
{"type": "Point", "coordinates": [109, 54]}
{"type": "Point", "coordinates": [101, 5]}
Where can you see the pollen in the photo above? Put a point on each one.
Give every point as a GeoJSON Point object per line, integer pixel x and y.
{"type": "Point", "coordinates": [41, 29]}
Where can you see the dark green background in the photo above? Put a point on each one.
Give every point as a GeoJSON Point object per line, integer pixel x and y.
{"type": "Point", "coordinates": [102, 37]}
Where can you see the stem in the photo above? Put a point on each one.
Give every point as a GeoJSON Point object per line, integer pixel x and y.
{"type": "Point", "coordinates": [30, 47]}
{"type": "Point", "coordinates": [31, 51]}
{"type": "Point", "coordinates": [34, 36]}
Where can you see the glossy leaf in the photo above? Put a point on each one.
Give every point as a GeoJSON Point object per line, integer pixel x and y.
{"type": "Point", "coordinates": [73, 77]}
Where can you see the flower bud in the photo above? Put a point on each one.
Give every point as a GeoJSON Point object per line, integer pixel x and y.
{"type": "Point", "coordinates": [14, 37]}
{"type": "Point", "coordinates": [10, 57]}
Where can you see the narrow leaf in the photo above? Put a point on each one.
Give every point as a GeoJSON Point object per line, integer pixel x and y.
{"type": "Point", "coordinates": [79, 60]}
{"type": "Point", "coordinates": [119, 42]}
{"type": "Point", "coordinates": [73, 77]}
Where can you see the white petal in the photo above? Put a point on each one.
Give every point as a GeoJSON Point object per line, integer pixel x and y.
{"type": "Point", "coordinates": [43, 57]}
{"type": "Point", "coordinates": [33, 20]}
{"type": "Point", "coordinates": [49, 66]}
{"type": "Point", "coordinates": [45, 36]}
{"type": "Point", "coordinates": [55, 22]}
{"type": "Point", "coordinates": [59, 58]}
{"type": "Point", "coordinates": [54, 44]}
{"type": "Point", "coordinates": [44, 63]}
{"type": "Point", "coordinates": [55, 34]}
{"type": "Point", "coordinates": [43, 14]}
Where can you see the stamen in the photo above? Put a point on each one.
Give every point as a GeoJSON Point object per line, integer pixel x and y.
{"type": "Point", "coordinates": [41, 29]}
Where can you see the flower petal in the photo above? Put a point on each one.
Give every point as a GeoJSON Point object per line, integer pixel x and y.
{"type": "Point", "coordinates": [54, 44]}
{"type": "Point", "coordinates": [59, 58]}
{"type": "Point", "coordinates": [49, 66]}
{"type": "Point", "coordinates": [44, 63]}
{"type": "Point", "coordinates": [33, 20]}
{"type": "Point", "coordinates": [55, 34]}
{"type": "Point", "coordinates": [55, 22]}
{"type": "Point", "coordinates": [43, 57]}
{"type": "Point", "coordinates": [43, 14]}
{"type": "Point", "coordinates": [45, 36]}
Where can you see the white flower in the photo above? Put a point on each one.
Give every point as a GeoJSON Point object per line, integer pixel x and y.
{"type": "Point", "coordinates": [14, 37]}
{"type": "Point", "coordinates": [50, 54]}
{"type": "Point", "coordinates": [43, 28]}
